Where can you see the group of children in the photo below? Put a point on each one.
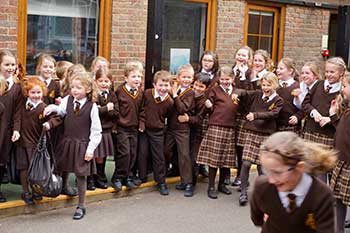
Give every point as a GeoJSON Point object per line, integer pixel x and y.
{"type": "Point", "coordinates": [218, 117]}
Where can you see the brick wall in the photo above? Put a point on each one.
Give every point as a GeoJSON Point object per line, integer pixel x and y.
{"type": "Point", "coordinates": [8, 25]}
{"type": "Point", "coordinates": [128, 35]}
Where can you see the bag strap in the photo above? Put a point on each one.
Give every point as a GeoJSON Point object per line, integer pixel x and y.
{"type": "Point", "coordinates": [50, 148]}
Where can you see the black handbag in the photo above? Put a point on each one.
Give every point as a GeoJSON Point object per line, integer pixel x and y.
{"type": "Point", "coordinates": [41, 170]}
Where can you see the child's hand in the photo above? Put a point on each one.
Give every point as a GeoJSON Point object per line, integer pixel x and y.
{"type": "Point", "coordinates": [250, 116]}
{"type": "Point", "coordinates": [15, 136]}
{"type": "Point", "coordinates": [324, 121]}
{"type": "Point", "coordinates": [110, 106]}
{"type": "Point", "coordinates": [334, 108]}
{"type": "Point", "coordinates": [183, 118]}
{"type": "Point", "coordinates": [47, 111]}
{"type": "Point", "coordinates": [58, 100]}
{"type": "Point", "coordinates": [208, 104]}
{"type": "Point", "coordinates": [88, 157]}
{"type": "Point", "coordinates": [266, 217]}
{"type": "Point", "coordinates": [46, 126]}
{"type": "Point", "coordinates": [293, 120]}
{"type": "Point", "coordinates": [296, 92]}
{"type": "Point", "coordinates": [316, 115]}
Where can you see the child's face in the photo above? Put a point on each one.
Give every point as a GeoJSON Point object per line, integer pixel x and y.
{"type": "Point", "coordinates": [134, 79]}
{"type": "Point", "coordinates": [267, 88]}
{"type": "Point", "coordinates": [284, 177]}
{"type": "Point", "coordinates": [346, 89]}
{"type": "Point", "coordinates": [103, 83]}
{"type": "Point", "coordinates": [307, 76]}
{"type": "Point", "coordinates": [242, 56]}
{"type": "Point", "coordinates": [225, 81]}
{"type": "Point", "coordinates": [283, 73]}
{"type": "Point", "coordinates": [35, 94]}
{"type": "Point", "coordinates": [207, 62]}
{"type": "Point", "coordinates": [332, 73]}
{"type": "Point", "coordinates": [259, 62]}
{"type": "Point", "coordinates": [78, 90]}
{"type": "Point", "coordinates": [47, 69]}
{"type": "Point", "coordinates": [100, 65]}
{"type": "Point", "coordinates": [8, 66]}
{"type": "Point", "coordinates": [185, 79]}
{"type": "Point", "coordinates": [199, 88]}
{"type": "Point", "coordinates": [162, 87]}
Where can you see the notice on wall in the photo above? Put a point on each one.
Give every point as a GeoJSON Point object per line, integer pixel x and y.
{"type": "Point", "coordinates": [178, 57]}
{"type": "Point", "coordinates": [324, 42]}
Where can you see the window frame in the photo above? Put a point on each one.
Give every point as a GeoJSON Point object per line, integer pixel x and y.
{"type": "Point", "coordinates": [104, 33]}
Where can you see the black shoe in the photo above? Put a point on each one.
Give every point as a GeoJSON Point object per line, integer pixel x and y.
{"type": "Point", "coordinates": [188, 190]}
{"type": "Point", "coordinates": [212, 193]}
{"type": "Point", "coordinates": [203, 171]}
{"type": "Point", "coordinates": [243, 199]}
{"type": "Point", "coordinates": [37, 196]}
{"type": "Point", "coordinates": [100, 184]}
{"type": "Point", "coordinates": [163, 189]}
{"type": "Point", "coordinates": [130, 184]}
{"type": "Point", "coordinates": [180, 186]}
{"type": "Point", "coordinates": [222, 188]}
{"type": "Point", "coordinates": [69, 191]}
{"type": "Point", "coordinates": [79, 213]}
{"type": "Point", "coordinates": [137, 181]}
{"type": "Point", "coordinates": [27, 198]}
{"type": "Point", "coordinates": [237, 182]}
{"type": "Point", "coordinates": [347, 224]}
{"type": "Point", "coordinates": [227, 181]}
{"type": "Point", "coordinates": [90, 185]}
{"type": "Point", "coordinates": [2, 198]}
{"type": "Point", "coordinates": [117, 185]}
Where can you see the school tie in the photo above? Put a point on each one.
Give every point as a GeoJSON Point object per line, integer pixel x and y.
{"type": "Point", "coordinates": [227, 90]}
{"type": "Point", "coordinates": [238, 73]}
{"type": "Point", "coordinates": [328, 88]}
{"type": "Point", "coordinates": [133, 91]}
{"type": "Point", "coordinates": [29, 106]}
{"type": "Point", "coordinates": [292, 202]}
{"type": "Point", "coordinates": [284, 84]}
{"type": "Point", "coordinates": [178, 92]}
{"type": "Point", "coordinates": [104, 97]}
{"type": "Point", "coordinates": [158, 99]}
{"type": "Point", "coordinates": [46, 83]}
{"type": "Point", "coordinates": [265, 99]}
{"type": "Point", "coordinates": [8, 86]}
{"type": "Point", "coordinates": [77, 107]}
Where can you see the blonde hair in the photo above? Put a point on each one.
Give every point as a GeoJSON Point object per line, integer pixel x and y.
{"type": "Point", "coordinates": [29, 83]}
{"type": "Point", "coordinates": [250, 55]}
{"type": "Point", "coordinates": [338, 61]}
{"type": "Point", "coordinates": [41, 60]}
{"type": "Point", "coordinates": [186, 68]}
{"type": "Point", "coordinates": [314, 69]}
{"type": "Point", "coordinates": [343, 107]}
{"type": "Point", "coordinates": [290, 64]}
{"type": "Point", "coordinates": [226, 70]}
{"type": "Point", "coordinates": [266, 57]}
{"type": "Point", "coordinates": [270, 78]}
{"type": "Point", "coordinates": [62, 69]}
{"type": "Point", "coordinates": [96, 59]}
{"type": "Point", "coordinates": [288, 148]}
{"type": "Point", "coordinates": [133, 66]}
{"type": "Point", "coordinates": [162, 75]}
{"type": "Point", "coordinates": [3, 85]}
{"type": "Point", "coordinates": [76, 68]}
{"type": "Point", "coordinates": [89, 84]}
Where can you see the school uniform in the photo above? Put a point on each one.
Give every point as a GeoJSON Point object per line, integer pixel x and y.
{"type": "Point", "coordinates": [304, 90]}
{"type": "Point", "coordinates": [289, 109]}
{"type": "Point", "coordinates": [179, 133]}
{"type": "Point", "coordinates": [128, 122]}
{"type": "Point", "coordinates": [256, 81]}
{"type": "Point", "coordinates": [314, 210]}
{"type": "Point", "coordinates": [76, 143]}
{"type": "Point", "coordinates": [264, 124]}
{"type": "Point", "coordinates": [217, 149]}
{"type": "Point", "coordinates": [319, 99]}
{"type": "Point", "coordinates": [53, 90]}
{"type": "Point", "coordinates": [157, 109]}
{"type": "Point", "coordinates": [214, 78]}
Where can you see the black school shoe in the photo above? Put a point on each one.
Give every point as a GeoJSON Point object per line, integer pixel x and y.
{"type": "Point", "coordinates": [243, 199]}
{"type": "Point", "coordinates": [117, 185]}
{"type": "Point", "coordinates": [130, 183]}
{"type": "Point", "coordinates": [223, 189]}
{"type": "Point", "coordinates": [2, 198]}
{"type": "Point", "coordinates": [90, 184]}
{"type": "Point", "coordinates": [79, 213]}
{"type": "Point", "coordinates": [212, 193]}
{"type": "Point", "coordinates": [100, 184]}
{"type": "Point", "coordinates": [163, 189]}
{"type": "Point", "coordinates": [237, 182]}
{"type": "Point", "coordinates": [136, 180]}
{"type": "Point", "coordinates": [27, 198]}
{"type": "Point", "coordinates": [188, 190]}
{"type": "Point", "coordinates": [69, 191]}
{"type": "Point", "coordinates": [181, 186]}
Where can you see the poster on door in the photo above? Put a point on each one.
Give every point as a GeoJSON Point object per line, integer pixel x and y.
{"type": "Point", "coordinates": [178, 57]}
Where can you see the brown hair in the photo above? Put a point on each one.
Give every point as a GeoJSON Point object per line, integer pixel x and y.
{"type": "Point", "coordinates": [314, 69]}
{"type": "Point", "coordinates": [133, 66]}
{"type": "Point", "coordinates": [103, 72]}
{"type": "Point", "coordinates": [288, 148]}
{"type": "Point", "coordinates": [290, 64]}
{"type": "Point", "coordinates": [226, 70]}
{"type": "Point", "coordinates": [62, 69]}
{"type": "Point", "coordinates": [89, 84]}
{"type": "Point", "coordinates": [271, 78]}
{"type": "Point", "coordinates": [3, 85]}
{"type": "Point", "coordinates": [6, 52]}
{"type": "Point", "coordinates": [70, 72]}
{"type": "Point", "coordinates": [215, 59]}
{"type": "Point", "coordinates": [96, 59]}
{"type": "Point", "coordinates": [29, 83]}
{"type": "Point", "coordinates": [266, 57]}
{"type": "Point", "coordinates": [41, 60]}
{"type": "Point", "coordinates": [162, 75]}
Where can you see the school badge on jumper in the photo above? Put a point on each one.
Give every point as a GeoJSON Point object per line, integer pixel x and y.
{"type": "Point", "coordinates": [41, 116]}
{"type": "Point", "coordinates": [271, 107]}
{"type": "Point", "coordinates": [310, 221]}
{"type": "Point", "coordinates": [52, 94]}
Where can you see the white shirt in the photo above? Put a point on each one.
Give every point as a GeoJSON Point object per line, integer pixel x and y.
{"type": "Point", "coordinates": [259, 75]}
{"type": "Point", "coordinates": [209, 73]}
{"type": "Point", "coordinates": [300, 191]}
{"type": "Point", "coordinates": [129, 88]}
{"type": "Point", "coordinates": [229, 89]}
{"type": "Point", "coordinates": [10, 82]}
{"type": "Point", "coordinates": [95, 128]}
{"type": "Point", "coordinates": [182, 89]}
{"type": "Point", "coordinates": [270, 97]}
{"type": "Point", "coordinates": [156, 95]}
{"type": "Point", "coordinates": [288, 82]}
{"type": "Point", "coordinates": [335, 86]}
{"type": "Point", "coordinates": [46, 81]}
{"type": "Point", "coordinates": [33, 103]}
{"type": "Point", "coordinates": [297, 101]}
{"type": "Point", "coordinates": [242, 75]}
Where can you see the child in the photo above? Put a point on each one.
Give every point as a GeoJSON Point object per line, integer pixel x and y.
{"type": "Point", "coordinates": [107, 104]}
{"type": "Point", "coordinates": [290, 116]}
{"type": "Point", "coordinates": [289, 198]}
{"type": "Point", "coordinates": [179, 133]}
{"type": "Point", "coordinates": [46, 69]}
{"type": "Point", "coordinates": [11, 117]}
{"type": "Point", "coordinates": [217, 147]}
{"type": "Point", "coordinates": [261, 65]}
{"type": "Point", "coordinates": [157, 105]}
{"type": "Point", "coordinates": [99, 63]}
{"type": "Point", "coordinates": [318, 127]}
{"type": "Point", "coordinates": [264, 108]}
{"type": "Point", "coordinates": [199, 127]}
{"type": "Point", "coordinates": [65, 90]}
{"type": "Point", "coordinates": [341, 173]}
{"type": "Point", "coordinates": [61, 70]}
{"type": "Point", "coordinates": [31, 126]}
{"type": "Point", "coordinates": [130, 113]}
{"type": "Point", "coordinates": [77, 147]}
{"type": "Point", "coordinates": [209, 64]}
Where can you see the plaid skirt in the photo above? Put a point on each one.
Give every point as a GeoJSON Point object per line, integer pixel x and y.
{"type": "Point", "coordinates": [319, 138]}
{"type": "Point", "coordinates": [217, 148]}
{"type": "Point", "coordinates": [241, 133]}
{"type": "Point", "coordinates": [340, 182]}
{"type": "Point", "coordinates": [251, 150]}
{"type": "Point", "coordinates": [290, 128]}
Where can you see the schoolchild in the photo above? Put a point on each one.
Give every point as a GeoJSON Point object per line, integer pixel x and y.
{"type": "Point", "coordinates": [289, 198]}
{"type": "Point", "coordinates": [179, 133]}
{"type": "Point", "coordinates": [264, 108]}
{"type": "Point", "coordinates": [76, 68]}
{"type": "Point", "coordinates": [99, 62]}
{"type": "Point", "coordinates": [157, 104]}
{"type": "Point", "coordinates": [209, 64]}
{"type": "Point", "coordinates": [46, 69]}
{"type": "Point", "coordinates": [11, 101]}
{"type": "Point", "coordinates": [62, 69]}
{"type": "Point", "coordinates": [77, 147]}
{"type": "Point", "coordinates": [217, 149]}
{"type": "Point", "coordinates": [130, 113]}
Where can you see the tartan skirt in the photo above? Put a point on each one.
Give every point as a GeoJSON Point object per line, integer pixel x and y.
{"type": "Point", "coordinates": [251, 150]}
{"type": "Point", "coordinates": [319, 138]}
{"type": "Point", "coordinates": [217, 148]}
{"type": "Point", "coordinates": [290, 128]}
{"type": "Point", "coordinates": [340, 182]}
{"type": "Point", "coordinates": [241, 132]}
